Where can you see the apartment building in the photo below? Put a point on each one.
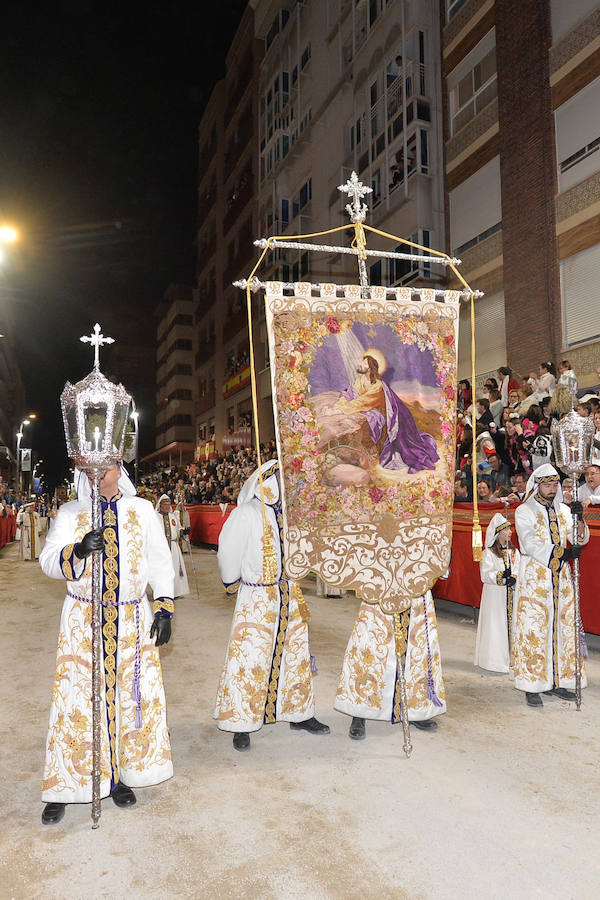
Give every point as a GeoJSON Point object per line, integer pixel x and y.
{"type": "Point", "coordinates": [12, 402]}
{"type": "Point", "coordinates": [226, 230]}
{"type": "Point", "coordinates": [312, 91]}
{"type": "Point", "coordinates": [522, 161]}
{"type": "Point", "coordinates": [175, 383]}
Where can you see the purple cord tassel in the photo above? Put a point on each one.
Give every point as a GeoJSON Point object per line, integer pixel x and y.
{"type": "Point", "coordinates": [137, 697]}
{"type": "Point", "coordinates": [582, 640]}
{"type": "Point", "coordinates": [431, 694]}
{"type": "Point", "coordinates": [313, 664]}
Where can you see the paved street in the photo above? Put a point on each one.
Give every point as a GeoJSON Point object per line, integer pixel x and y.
{"type": "Point", "coordinates": [501, 802]}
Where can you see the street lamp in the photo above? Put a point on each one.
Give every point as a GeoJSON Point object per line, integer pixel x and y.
{"type": "Point", "coordinates": [135, 416]}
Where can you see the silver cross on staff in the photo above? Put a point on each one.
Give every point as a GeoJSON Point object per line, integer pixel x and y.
{"type": "Point", "coordinates": [356, 190]}
{"type": "Point", "coordinates": [97, 339]}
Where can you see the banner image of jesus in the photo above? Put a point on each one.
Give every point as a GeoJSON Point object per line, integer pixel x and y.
{"type": "Point", "coordinates": [362, 419]}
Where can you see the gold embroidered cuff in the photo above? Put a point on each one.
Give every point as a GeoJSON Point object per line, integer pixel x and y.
{"type": "Point", "coordinates": [232, 589]}
{"type": "Point", "coordinates": [163, 605]}
{"type": "Point", "coordinates": [499, 577]}
{"type": "Point", "coordinates": [68, 562]}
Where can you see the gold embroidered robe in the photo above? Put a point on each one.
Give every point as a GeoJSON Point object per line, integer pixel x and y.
{"type": "Point", "coordinates": [30, 526]}
{"type": "Point", "coordinates": [368, 684]}
{"type": "Point", "coordinates": [135, 554]}
{"type": "Point", "coordinates": [267, 673]}
{"type": "Point", "coordinates": [543, 632]}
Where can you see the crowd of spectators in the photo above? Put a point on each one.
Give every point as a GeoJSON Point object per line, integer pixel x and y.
{"type": "Point", "coordinates": [235, 362]}
{"type": "Point", "coordinates": [215, 480]}
{"type": "Point", "coordinates": [513, 427]}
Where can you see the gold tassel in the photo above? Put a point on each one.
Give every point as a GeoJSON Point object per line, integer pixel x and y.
{"type": "Point", "coordinates": [477, 542]}
{"type": "Point", "coordinates": [302, 604]}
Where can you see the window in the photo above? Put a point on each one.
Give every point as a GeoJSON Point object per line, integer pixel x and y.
{"type": "Point", "coordinates": [579, 279]}
{"type": "Point", "coordinates": [302, 198]}
{"type": "Point", "coordinates": [376, 186]}
{"type": "Point", "coordinates": [474, 91]}
{"type": "Point", "coordinates": [304, 59]}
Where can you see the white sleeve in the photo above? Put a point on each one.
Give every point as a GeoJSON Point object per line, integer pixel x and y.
{"type": "Point", "coordinates": [490, 567]}
{"type": "Point", "coordinates": [233, 541]}
{"type": "Point", "coordinates": [57, 557]}
{"type": "Point", "coordinates": [161, 575]}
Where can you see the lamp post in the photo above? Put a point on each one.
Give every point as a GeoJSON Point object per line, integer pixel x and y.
{"type": "Point", "coordinates": [572, 438]}
{"type": "Point", "coordinates": [20, 434]}
{"type": "Point", "coordinates": [135, 416]}
{"type": "Point", "coordinates": [95, 417]}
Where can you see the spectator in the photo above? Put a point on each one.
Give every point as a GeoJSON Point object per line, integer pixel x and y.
{"type": "Point", "coordinates": [589, 494]}
{"type": "Point", "coordinates": [499, 473]}
{"type": "Point", "coordinates": [483, 411]}
{"type": "Point", "coordinates": [519, 487]}
{"type": "Point", "coordinates": [484, 491]}
{"type": "Point", "coordinates": [567, 377]}
{"type": "Point", "coordinates": [596, 447]}
{"type": "Point", "coordinates": [465, 395]}
{"type": "Point", "coordinates": [496, 407]}
{"type": "Point", "coordinates": [525, 393]}
{"type": "Point", "coordinates": [506, 383]}
{"type": "Point", "coordinates": [544, 383]}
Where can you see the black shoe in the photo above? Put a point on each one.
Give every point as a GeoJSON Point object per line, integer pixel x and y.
{"type": "Point", "coordinates": [53, 813]}
{"type": "Point", "coordinates": [562, 694]}
{"type": "Point", "coordinates": [241, 740]}
{"type": "Point", "coordinates": [357, 731]}
{"type": "Point", "coordinates": [312, 725]}
{"type": "Point", "coordinates": [533, 699]}
{"type": "Point", "coordinates": [122, 795]}
{"type": "Point", "coordinates": [426, 725]}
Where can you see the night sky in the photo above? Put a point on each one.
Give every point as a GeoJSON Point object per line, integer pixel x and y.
{"type": "Point", "coordinates": [98, 167]}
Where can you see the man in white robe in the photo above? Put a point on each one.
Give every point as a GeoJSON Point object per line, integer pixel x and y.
{"type": "Point", "coordinates": [267, 674]}
{"type": "Point", "coordinates": [30, 527]}
{"type": "Point", "coordinates": [544, 607]}
{"type": "Point", "coordinates": [369, 686]}
{"type": "Point", "coordinates": [498, 569]}
{"type": "Point", "coordinates": [173, 529]}
{"type": "Point", "coordinates": [135, 748]}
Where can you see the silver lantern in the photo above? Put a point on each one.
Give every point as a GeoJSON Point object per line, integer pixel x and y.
{"type": "Point", "coordinates": [95, 413]}
{"type": "Point", "coordinates": [572, 439]}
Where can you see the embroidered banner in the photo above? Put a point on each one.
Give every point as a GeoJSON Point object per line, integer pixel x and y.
{"type": "Point", "coordinates": [364, 397]}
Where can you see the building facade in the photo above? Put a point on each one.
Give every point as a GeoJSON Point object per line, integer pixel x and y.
{"type": "Point", "coordinates": [522, 159]}
{"type": "Point", "coordinates": [227, 227]}
{"type": "Point", "coordinates": [473, 121]}
{"type": "Point", "coordinates": [175, 382]}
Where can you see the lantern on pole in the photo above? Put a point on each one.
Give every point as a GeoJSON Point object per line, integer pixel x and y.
{"type": "Point", "coordinates": [572, 438]}
{"type": "Point", "coordinates": [95, 413]}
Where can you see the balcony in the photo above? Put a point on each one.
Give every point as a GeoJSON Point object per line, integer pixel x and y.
{"type": "Point", "coordinates": [205, 350]}
{"type": "Point", "coordinates": [235, 323]}
{"type": "Point", "coordinates": [206, 401]}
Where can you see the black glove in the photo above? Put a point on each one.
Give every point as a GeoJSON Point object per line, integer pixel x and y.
{"type": "Point", "coordinates": [576, 508]}
{"type": "Point", "coordinates": [161, 627]}
{"type": "Point", "coordinates": [509, 580]}
{"type": "Point", "coordinates": [186, 531]}
{"type": "Point", "coordinates": [89, 543]}
{"type": "Point", "coordinates": [572, 553]}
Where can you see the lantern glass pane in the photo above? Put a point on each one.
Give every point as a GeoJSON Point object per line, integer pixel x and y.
{"type": "Point", "coordinates": [94, 415]}
{"type": "Point", "coordinates": [120, 422]}
{"type": "Point", "coordinates": [72, 436]}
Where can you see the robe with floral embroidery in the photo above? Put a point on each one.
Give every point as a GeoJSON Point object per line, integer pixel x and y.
{"type": "Point", "coordinates": [543, 608]}
{"type": "Point", "coordinates": [135, 741]}
{"type": "Point", "coordinates": [266, 676]}
{"type": "Point", "coordinates": [368, 686]}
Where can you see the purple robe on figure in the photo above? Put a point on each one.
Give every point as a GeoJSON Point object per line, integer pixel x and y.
{"type": "Point", "coordinates": [404, 445]}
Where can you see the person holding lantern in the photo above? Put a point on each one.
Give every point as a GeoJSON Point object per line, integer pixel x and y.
{"type": "Point", "coordinates": [135, 748]}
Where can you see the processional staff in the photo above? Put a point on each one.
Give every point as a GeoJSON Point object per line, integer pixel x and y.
{"type": "Point", "coordinates": [572, 438]}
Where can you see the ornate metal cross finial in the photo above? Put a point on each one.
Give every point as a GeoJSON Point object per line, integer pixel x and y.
{"type": "Point", "coordinates": [97, 339]}
{"type": "Point", "coordinates": [356, 190]}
